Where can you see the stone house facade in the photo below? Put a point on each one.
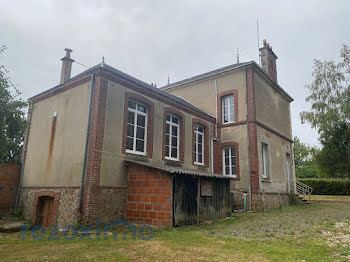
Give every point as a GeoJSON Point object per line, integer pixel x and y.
{"type": "Point", "coordinates": [104, 145]}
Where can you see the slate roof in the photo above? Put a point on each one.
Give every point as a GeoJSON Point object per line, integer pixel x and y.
{"type": "Point", "coordinates": [131, 79]}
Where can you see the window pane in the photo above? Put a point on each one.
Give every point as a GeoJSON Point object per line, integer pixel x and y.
{"type": "Point", "coordinates": [167, 139]}
{"type": "Point", "coordinates": [200, 129]}
{"type": "Point", "coordinates": [132, 105]}
{"type": "Point", "coordinates": [141, 120]}
{"type": "Point", "coordinates": [200, 158]}
{"type": "Point", "coordinates": [168, 118]}
{"type": "Point", "coordinates": [174, 152]}
{"type": "Point", "coordinates": [166, 150]}
{"type": "Point", "coordinates": [175, 120]}
{"type": "Point", "coordinates": [233, 170]}
{"type": "Point", "coordinates": [140, 145]}
{"type": "Point", "coordinates": [233, 161]}
{"type": "Point", "coordinates": [226, 118]}
{"type": "Point", "coordinates": [174, 130]}
{"type": "Point", "coordinates": [227, 161]}
{"type": "Point", "coordinates": [233, 151]}
{"type": "Point", "coordinates": [130, 130]}
{"type": "Point", "coordinates": [141, 108]}
{"type": "Point", "coordinates": [140, 133]}
{"type": "Point", "coordinates": [129, 143]}
{"type": "Point", "coordinates": [227, 170]}
{"type": "Point", "coordinates": [231, 100]}
{"type": "Point", "coordinates": [167, 128]}
{"type": "Point", "coordinates": [131, 117]}
{"type": "Point", "coordinates": [200, 148]}
{"type": "Point", "coordinates": [226, 152]}
{"type": "Point", "coordinates": [231, 116]}
{"type": "Point", "coordinates": [195, 147]}
{"type": "Point", "coordinates": [174, 141]}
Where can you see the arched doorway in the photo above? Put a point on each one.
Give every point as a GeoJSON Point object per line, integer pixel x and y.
{"type": "Point", "coordinates": [45, 211]}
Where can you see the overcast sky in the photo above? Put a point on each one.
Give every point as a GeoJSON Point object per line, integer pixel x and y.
{"type": "Point", "coordinates": [151, 39]}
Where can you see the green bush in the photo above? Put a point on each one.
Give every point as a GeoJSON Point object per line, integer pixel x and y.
{"type": "Point", "coordinates": [328, 186]}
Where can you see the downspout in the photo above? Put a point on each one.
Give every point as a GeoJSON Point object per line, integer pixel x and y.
{"type": "Point", "coordinates": [31, 108]}
{"type": "Point", "coordinates": [83, 172]}
{"type": "Point", "coordinates": [248, 141]}
{"type": "Point", "coordinates": [215, 136]}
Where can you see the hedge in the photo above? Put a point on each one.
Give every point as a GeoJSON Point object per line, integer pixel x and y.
{"type": "Point", "coordinates": [322, 186]}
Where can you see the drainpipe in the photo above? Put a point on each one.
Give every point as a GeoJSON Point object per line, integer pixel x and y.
{"type": "Point", "coordinates": [31, 108]}
{"type": "Point", "coordinates": [249, 168]}
{"type": "Point", "coordinates": [215, 136]}
{"type": "Point", "coordinates": [86, 142]}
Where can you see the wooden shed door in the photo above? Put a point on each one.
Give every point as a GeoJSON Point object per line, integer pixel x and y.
{"type": "Point", "coordinates": [45, 211]}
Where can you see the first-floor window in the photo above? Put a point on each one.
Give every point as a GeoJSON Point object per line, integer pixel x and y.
{"type": "Point", "coordinates": [229, 161]}
{"type": "Point", "coordinates": [228, 114]}
{"type": "Point", "coordinates": [265, 160]}
{"type": "Point", "coordinates": [172, 137]}
{"type": "Point", "coordinates": [198, 144]}
{"type": "Point", "coordinates": [136, 128]}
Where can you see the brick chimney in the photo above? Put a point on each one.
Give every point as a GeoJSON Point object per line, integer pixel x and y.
{"type": "Point", "coordinates": [66, 66]}
{"type": "Point", "coordinates": [268, 60]}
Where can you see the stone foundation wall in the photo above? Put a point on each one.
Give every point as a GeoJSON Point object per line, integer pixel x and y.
{"type": "Point", "coordinates": [68, 206]}
{"type": "Point", "coordinates": [113, 206]}
{"type": "Point", "coordinates": [265, 201]}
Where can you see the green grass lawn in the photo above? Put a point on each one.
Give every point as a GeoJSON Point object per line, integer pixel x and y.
{"type": "Point", "coordinates": [330, 198]}
{"type": "Point", "coordinates": [315, 232]}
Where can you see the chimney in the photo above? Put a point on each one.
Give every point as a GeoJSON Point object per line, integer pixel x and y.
{"type": "Point", "coordinates": [66, 66]}
{"type": "Point", "coordinates": [268, 61]}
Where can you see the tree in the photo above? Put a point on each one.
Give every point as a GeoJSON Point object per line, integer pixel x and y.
{"type": "Point", "coordinates": [304, 160]}
{"type": "Point", "coordinates": [12, 118]}
{"type": "Point", "coordinates": [330, 112]}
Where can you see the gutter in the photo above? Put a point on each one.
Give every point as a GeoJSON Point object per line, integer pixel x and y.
{"type": "Point", "coordinates": [83, 173]}
{"type": "Point", "coordinates": [31, 108]}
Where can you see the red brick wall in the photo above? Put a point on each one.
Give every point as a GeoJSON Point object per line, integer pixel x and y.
{"type": "Point", "coordinates": [149, 196]}
{"type": "Point", "coordinates": [9, 178]}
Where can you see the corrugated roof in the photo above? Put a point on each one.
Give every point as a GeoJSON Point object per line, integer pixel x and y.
{"type": "Point", "coordinates": [176, 170]}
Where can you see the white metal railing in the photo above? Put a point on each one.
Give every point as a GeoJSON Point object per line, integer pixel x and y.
{"type": "Point", "coordinates": [300, 188]}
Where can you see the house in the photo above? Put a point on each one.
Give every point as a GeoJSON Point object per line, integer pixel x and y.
{"type": "Point", "coordinates": [104, 145]}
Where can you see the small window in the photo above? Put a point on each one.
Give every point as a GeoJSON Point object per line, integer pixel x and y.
{"type": "Point", "coordinates": [172, 137]}
{"type": "Point", "coordinates": [229, 161]}
{"type": "Point", "coordinates": [228, 114]}
{"type": "Point", "coordinates": [265, 160]}
{"type": "Point", "coordinates": [198, 145]}
{"type": "Point", "coordinates": [136, 128]}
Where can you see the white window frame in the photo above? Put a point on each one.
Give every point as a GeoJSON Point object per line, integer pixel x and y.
{"type": "Point", "coordinates": [196, 153]}
{"type": "Point", "coordinates": [265, 160]}
{"type": "Point", "coordinates": [230, 161]}
{"type": "Point", "coordinates": [136, 113]}
{"type": "Point", "coordinates": [230, 108]}
{"type": "Point", "coordinates": [171, 124]}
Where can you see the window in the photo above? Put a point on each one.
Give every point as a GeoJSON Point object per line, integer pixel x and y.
{"type": "Point", "coordinates": [228, 109]}
{"type": "Point", "coordinates": [172, 138]}
{"type": "Point", "coordinates": [198, 145]}
{"type": "Point", "coordinates": [229, 161]}
{"type": "Point", "coordinates": [265, 160]}
{"type": "Point", "coordinates": [136, 128]}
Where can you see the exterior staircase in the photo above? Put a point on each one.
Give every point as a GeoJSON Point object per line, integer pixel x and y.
{"type": "Point", "coordinates": [301, 190]}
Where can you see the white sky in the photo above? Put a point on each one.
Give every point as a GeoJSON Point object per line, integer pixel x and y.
{"type": "Point", "coordinates": [151, 39]}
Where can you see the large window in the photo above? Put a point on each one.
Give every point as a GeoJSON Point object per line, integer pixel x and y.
{"type": "Point", "coordinates": [265, 160]}
{"type": "Point", "coordinates": [198, 145]}
{"type": "Point", "coordinates": [228, 114]}
{"type": "Point", "coordinates": [172, 138]}
{"type": "Point", "coordinates": [229, 161]}
{"type": "Point", "coordinates": [136, 128]}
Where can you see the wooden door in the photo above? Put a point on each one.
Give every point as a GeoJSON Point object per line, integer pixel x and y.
{"type": "Point", "coordinates": [45, 210]}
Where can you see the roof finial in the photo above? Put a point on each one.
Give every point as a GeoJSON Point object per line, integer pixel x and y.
{"type": "Point", "coordinates": [103, 61]}
{"type": "Point", "coordinates": [237, 56]}
{"type": "Point", "coordinates": [168, 80]}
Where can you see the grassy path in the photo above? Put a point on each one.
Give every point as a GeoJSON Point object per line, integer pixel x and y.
{"type": "Point", "coordinates": [316, 232]}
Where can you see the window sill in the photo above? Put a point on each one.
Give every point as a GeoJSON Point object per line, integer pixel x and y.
{"type": "Point", "coordinates": [198, 164]}
{"type": "Point", "coordinates": [267, 180]}
{"type": "Point", "coordinates": [135, 153]}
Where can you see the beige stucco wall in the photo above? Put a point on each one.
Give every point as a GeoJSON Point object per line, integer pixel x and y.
{"type": "Point", "coordinates": [114, 172]}
{"type": "Point", "coordinates": [65, 166]}
{"type": "Point", "coordinates": [238, 134]}
{"type": "Point", "coordinates": [278, 148]}
{"type": "Point", "coordinates": [272, 108]}
{"type": "Point", "coordinates": [202, 93]}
